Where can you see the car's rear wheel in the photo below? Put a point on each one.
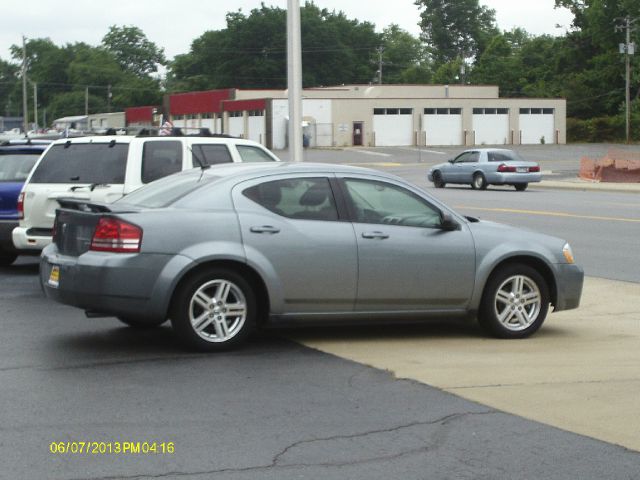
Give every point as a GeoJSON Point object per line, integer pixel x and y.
{"type": "Point", "coordinates": [141, 324]}
{"type": "Point", "coordinates": [479, 182]}
{"type": "Point", "coordinates": [438, 182]}
{"type": "Point", "coordinates": [521, 187]}
{"type": "Point", "coordinates": [7, 259]}
{"type": "Point", "coordinates": [214, 310]}
{"type": "Point", "coordinates": [515, 302]}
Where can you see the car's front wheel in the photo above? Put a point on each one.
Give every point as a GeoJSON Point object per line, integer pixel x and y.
{"type": "Point", "coordinates": [214, 310]}
{"type": "Point", "coordinates": [438, 182]}
{"type": "Point", "coordinates": [479, 182]}
{"type": "Point", "coordinates": [515, 302]}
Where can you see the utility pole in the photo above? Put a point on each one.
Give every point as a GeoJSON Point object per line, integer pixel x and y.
{"type": "Point", "coordinates": [86, 101]}
{"type": "Point", "coordinates": [35, 105]}
{"type": "Point", "coordinates": [294, 80]}
{"type": "Point", "coordinates": [25, 112]}
{"type": "Point", "coordinates": [628, 49]}
{"type": "Point", "coordinates": [109, 95]}
{"type": "Point", "coordinates": [380, 50]}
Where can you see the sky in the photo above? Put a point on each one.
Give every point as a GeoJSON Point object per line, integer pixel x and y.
{"type": "Point", "coordinates": [174, 25]}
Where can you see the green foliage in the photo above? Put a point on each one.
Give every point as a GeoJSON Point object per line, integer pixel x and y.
{"type": "Point", "coordinates": [133, 51]}
{"type": "Point", "coordinates": [454, 29]}
{"type": "Point", "coordinates": [404, 57]}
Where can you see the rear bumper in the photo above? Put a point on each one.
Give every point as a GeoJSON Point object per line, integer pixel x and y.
{"type": "Point", "coordinates": [497, 178]}
{"type": "Point", "coordinates": [129, 285]}
{"type": "Point", "coordinates": [25, 241]}
{"type": "Point", "coordinates": [569, 281]}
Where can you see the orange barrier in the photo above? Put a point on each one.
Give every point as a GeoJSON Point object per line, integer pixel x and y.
{"type": "Point", "coordinates": [619, 166]}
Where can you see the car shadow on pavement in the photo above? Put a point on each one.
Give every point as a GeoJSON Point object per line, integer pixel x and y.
{"type": "Point", "coordinates": [20, 269]}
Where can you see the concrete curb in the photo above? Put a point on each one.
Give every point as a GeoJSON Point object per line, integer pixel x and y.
{"type": "Point", "coordinates": [581, 185]}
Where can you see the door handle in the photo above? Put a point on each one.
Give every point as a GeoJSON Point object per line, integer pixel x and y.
{"type": "Point", "coordinates": [375, 235]}
{"type": "Point", "coordinates": [265, 229]}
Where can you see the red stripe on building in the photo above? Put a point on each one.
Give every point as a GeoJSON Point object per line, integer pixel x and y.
{"type": "Point", "coordinates": [139, 114]}
{"type": "Point", "coordinates": [198, 102]}
{"type": "Point", "coordinates": [242, 105]}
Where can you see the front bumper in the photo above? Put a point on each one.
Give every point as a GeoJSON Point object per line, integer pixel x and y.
{"type": "Point", "coordinates": [569, 282]}
{"type": "Point", "coordinates": [129, 285]}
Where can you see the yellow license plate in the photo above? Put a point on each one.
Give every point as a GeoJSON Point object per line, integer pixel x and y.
{"type": "Point", "coordinates": [54, 276]}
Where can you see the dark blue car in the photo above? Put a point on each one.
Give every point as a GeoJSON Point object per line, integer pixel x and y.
{"type": "Point", "coordinates": [16, 161]}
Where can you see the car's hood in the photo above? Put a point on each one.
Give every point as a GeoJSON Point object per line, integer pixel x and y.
{"type": "Point", "coordinates": [490, 236]}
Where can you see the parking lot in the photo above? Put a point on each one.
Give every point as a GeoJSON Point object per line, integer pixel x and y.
{"type": "Point", "coordinates": [438, 400]}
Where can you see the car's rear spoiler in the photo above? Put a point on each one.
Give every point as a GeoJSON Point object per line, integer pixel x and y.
{"type": "Point", "coordinates": [70, 203]}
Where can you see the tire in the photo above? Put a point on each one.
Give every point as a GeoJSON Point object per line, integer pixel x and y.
{"type": "Point", "coordinates": [515, 302]}
{"type": "Point", "coordinates": [141, 324]}
{"type": "Point", "coordinates": [7, 259]}
{"type": "Point", "coordinates": [437, 180]}
{"type": "Point", "coordinates": [214, 310]}
{"type": "Point", "coordinates": [521, 187]}
{"type": "Point", "coordinates": [479, 182]}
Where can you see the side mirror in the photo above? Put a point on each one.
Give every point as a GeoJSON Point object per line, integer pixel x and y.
{"type": "Point", "coordinates": [451, 160]}
{"type": "Point", "coordinates": [448, 224]}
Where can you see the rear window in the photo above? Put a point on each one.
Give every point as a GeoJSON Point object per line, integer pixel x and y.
{"type": "Point", "coordinates": [166, 191]}
{"type": "Point", "coordinates": [83, 163]}
{"type": "Point", "coordinates": [504, 156]}
{"type": "Point", "coordinates": [16, 167]}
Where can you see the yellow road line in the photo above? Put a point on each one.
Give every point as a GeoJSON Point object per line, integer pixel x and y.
{"type": "Point", "coordinates": [550, 214]}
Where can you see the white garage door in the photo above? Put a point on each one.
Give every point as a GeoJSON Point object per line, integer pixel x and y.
{"type": "Point", "coordinates": [256, 126]}
{"type": "Point", "coordinates": [393, 126]}
{"type": "Point", "coordinates": [443, 126]}
{"type": "Point", "coordinates": [491, 126]}
{"type": "Point", "coordinates": [236, 125]}
{"type": "Point", "coordinates": [537, 126]}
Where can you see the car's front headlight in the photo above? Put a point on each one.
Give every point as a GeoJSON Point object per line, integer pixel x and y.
{"type": "Point", "coordinates": [568, 253]}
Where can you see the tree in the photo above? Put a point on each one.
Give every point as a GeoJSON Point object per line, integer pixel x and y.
{"type": "Point", "coordinates": [133, 51]}
{"type": "Point", "coordinates": [454, 29]}
{"type": "Point", "coordinates": [404, 57]}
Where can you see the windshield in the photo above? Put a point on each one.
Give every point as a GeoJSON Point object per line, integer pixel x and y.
{"type": "Point", "coordinates": [166, 191]}
{"type": "Point", "coordinates": [83, 163]}
{"type": "Point", "coordinates": [16, 167]}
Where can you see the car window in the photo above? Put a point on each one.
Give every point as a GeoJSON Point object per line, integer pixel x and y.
{"type": "Point", "coordinates": [211, 154]}
{"type": "Point", "coordinates": [380, 202]}
{"type": "Point", "coordinates": [253, 154]}
{"type": "Point", "coordinates": [83, 163]}
{"type": "Point", "coordinates": [467, 157]}
{"type": "Point", "coordinates": [299, 198]}
{"type": "Point", "coordinates": [16, 167]}
{"type": "Point", "coordinates": [504, 156]}
{"type": "Point", "coordinates": [160, 158]}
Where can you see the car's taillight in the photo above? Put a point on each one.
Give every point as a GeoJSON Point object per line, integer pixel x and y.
{"type": "Point", "coordinates": [503, 168]}
{"type": "Point", "coordinates": [534, 169]}
{"type": "Point", "coordinates": [115, 235]}
{"type": "Point", "coordinates": [20, 206]}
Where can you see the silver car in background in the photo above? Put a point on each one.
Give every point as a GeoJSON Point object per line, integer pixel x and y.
{"type": "Point", "coordinates": [482, 167]}
{"type": "Point", "coordinates": [221, 250]}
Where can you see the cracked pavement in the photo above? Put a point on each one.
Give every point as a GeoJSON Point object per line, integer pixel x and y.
{"type": "Point", "coordinates": [274, 409]}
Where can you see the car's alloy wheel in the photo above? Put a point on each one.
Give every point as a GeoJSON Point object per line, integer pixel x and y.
{"type": "Point", "coordinates": [214, 310]}
{"type": "Point", "coordinates": [479, 182]}
{"type": "Point", "coordinates": [437, 180]}
{"type": "Point", "coordinates": [515, 302]}
{"type": "Point", "coordinates": [521, 187]}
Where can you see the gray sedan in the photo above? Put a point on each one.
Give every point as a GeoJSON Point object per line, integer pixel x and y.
{"type": "Point", "coordinates": [222, 250]}
{"type": "Point", "coordinates": [486, 166]}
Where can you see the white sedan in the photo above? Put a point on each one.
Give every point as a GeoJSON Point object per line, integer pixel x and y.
{"type": "Point", "coordinates": [482, 167]}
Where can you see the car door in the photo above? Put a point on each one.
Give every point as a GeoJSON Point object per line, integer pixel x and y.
{"type": "Point", "coordinates": [463, 166]}
{"type": "Point", "coordinates": [292, 232]}
{"type": "Point", "coordinates": [406, 260]}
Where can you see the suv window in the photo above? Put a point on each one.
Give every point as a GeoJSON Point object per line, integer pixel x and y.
{"type": "Point", "coordinates": [211, 154]}
{"type": "Point", "coordinates": [160, 158]}
{"type": "Point", "coordinates": [83, 163]}
{"type": "Point", "coordinates": [16, 167]}
{"type": "Point", "coordinates": [299, 198]}
{"type": "Point", "coordinates": [253, 154]}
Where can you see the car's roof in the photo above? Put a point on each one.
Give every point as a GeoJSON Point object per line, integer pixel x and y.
{"type": "Point", "coordinates": [488, 150]}
{"type": "Point", "coordinates": [264, 168]}
{"type": "Point", "coordinates": [27, 149]}
{"type": "Point", "coordinates": [141, 138]}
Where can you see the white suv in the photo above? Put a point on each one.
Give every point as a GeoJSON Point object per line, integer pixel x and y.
{"type": "Point", "coordinates": [105, 168]}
